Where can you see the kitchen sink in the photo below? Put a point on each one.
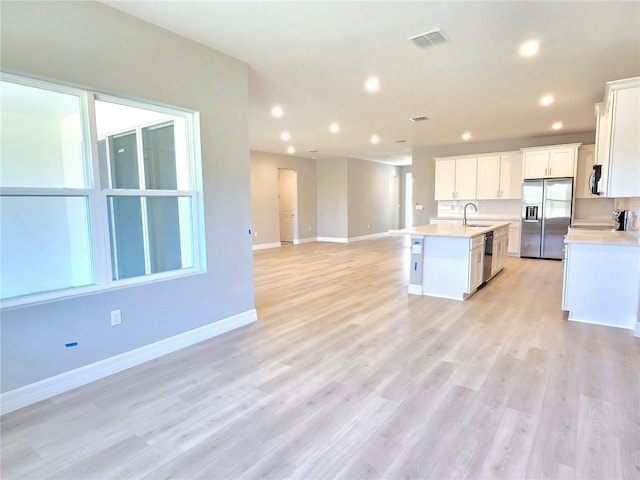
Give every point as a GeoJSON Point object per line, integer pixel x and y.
{"type": "Point", "coordinates": [476, 225]}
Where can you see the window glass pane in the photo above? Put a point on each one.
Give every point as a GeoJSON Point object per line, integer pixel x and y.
{"type": "Point", "coordinates": [45, 245]}
{"type": "Point", "coordinates": [170, 233]}
{"type": "Point", "coordinates": [127, 238]}
{"type": "Point", "coordinates": [159, 150]}
{"type": "Point", "coordinates": [166, 152]}
{"type": "Point", "coordinates": [40, 138]}
{"type": "Point", "coordinates": [123, 152]}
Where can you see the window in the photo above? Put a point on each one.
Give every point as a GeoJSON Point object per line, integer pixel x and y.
{"type": "Point", "coordinates": [93, 200]}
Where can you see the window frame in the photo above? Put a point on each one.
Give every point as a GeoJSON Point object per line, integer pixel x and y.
{"type": "Point", "coordinates": [97, 196]}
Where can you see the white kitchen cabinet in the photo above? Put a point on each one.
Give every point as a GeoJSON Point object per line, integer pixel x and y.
{"type": "Point", "coordinates": [586, 159]}
{"type": "Point", "coordinates": [500, 247]}
{"type": "Point", "coordinates": [511, 176]}
{"type": "Point", "coordinates": [618, 139]}
{"type": "Point", "coordinates": [554, 161]}
{"type": "Point", "coordinates": [500, 176]}
{"type": "Point", "coordinates": [476, 267]}
{"type": "Point", "coordinates": [514, 239]}
{"type": "Point", "coordinates": [456, 178]}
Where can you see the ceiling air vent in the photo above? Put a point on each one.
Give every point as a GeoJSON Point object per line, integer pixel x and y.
{"type": "Point", "coordinates": [402, 140]}
{"type": "Point", "coordinates": [419, 119]}
{"type": "Point", "coordinates": [429, 39]}
{"type": "Point", "coordinates": [313, 151]}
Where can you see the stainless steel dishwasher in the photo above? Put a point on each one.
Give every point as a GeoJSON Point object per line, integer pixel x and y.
{"type": "Point", "coordinates": [488, 256]}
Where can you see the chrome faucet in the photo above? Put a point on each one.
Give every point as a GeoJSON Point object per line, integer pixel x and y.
{"type": "Point", "coordinates": [464, 221]}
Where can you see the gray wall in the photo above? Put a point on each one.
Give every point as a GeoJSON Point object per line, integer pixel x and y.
{"type": "Point", "coordinates": [368, 197]}
{"type": "Point", "coordinates": [92, 45]}
{"type": "Point", "coordinates": [264, 196]}
{"type": "Point", "coordinates": [332, 198]}
{"type": "Point", "coordinates": [402, 174]}
{"type": "Point", "coordinates": [424, 167]}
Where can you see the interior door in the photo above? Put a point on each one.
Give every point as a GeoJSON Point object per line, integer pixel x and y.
{"type": "Point", "coordinates": [393, 202]}
{"type": "Point", "coordinates": [287, 204]}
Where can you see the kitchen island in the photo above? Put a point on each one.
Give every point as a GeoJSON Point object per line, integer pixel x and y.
{"type": "Point", "coordinates": [448, 260]}
{"type": "Point", "coordinates": [601, 282]}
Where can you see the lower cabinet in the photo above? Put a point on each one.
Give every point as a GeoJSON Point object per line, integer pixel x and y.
{"type": "Point", "coordinates": [476, 267]}
{"type": "Point", "coordinates": [514, 239]}
{"type": "Point", "coordinates": [500, 248]}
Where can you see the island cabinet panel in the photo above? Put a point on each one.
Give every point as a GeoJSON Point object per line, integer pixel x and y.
{"type": "Point", "coordinates": [446, 268]}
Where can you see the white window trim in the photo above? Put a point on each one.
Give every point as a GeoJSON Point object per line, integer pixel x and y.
{"type": "Point", "coordinates": [97, 197]}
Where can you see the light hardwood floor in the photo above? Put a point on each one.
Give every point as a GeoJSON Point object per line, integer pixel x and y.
{"type": "Point", "coordinates": [347, 376]}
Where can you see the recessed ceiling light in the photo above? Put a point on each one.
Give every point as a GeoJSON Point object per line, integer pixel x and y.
{"type": "Point", "coordinates": [285, 136]}
{"type": "Point", "coordinates": [529, 48]}
{"type": "Point", "coordinates": [276, 111]}
{"type": "Point", "coordinates": [372, 84]}
{"type": "Point", "coordinates": [466, 136]}
{"type": "Point", "coordinates": [334, 128]}
{"type": "Point", "coordinates": [375, 139]}
{"type": "Point", "coordinates": [557, 126]}
{"type": "Point", "coordinates": [291, 150]}
{"type": "Point", "coordinates": [546, 100]}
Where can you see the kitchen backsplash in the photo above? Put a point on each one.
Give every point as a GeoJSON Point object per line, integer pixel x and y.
{"type": "Point", "coordinates": [504, 209]}
{"type": "Point", "coordinates": [593, 209]}
{"type": "Point", "coordinates": [633, 205]}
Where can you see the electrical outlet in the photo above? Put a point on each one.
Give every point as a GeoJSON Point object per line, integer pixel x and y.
{"type": "Point", "coordinates": [309, 227]}
{"type": "Point", "coordinates": [255, 234]}
{"type": "Point", "coordinates": [116, 318]}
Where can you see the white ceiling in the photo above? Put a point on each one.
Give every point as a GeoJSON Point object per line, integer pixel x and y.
{"type": "Point", "coordinates": [313, 58]}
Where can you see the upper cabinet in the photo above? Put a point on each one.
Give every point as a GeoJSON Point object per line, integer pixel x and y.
{"type": "Point", "coordinates": [618, 139]}
{"type": "Point", "coordinates": [456, 178]}
{"type": "Point", "coordinates": [499, 176]}
{"type": "Point", "coordinates": [550, 162]}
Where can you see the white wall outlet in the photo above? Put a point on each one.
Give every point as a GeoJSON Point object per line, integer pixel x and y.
{"type": "Point", "coordinates": [419, 207]}
{"type": "Point", "coordinates": [255, 234]}
{"type": "Point", "coordinates": [309, 227]}
{"type": "Point", "coordinates": [116, 318]}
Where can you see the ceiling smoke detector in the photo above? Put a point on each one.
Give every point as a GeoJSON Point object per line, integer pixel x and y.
{"type": "Point", "coordinates": [429, 39]}
{"type": "Point", "coordinates": [419, 119]}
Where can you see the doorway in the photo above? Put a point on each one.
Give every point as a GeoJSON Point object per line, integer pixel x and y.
{"type": "Point", "coordinates": [288, 204]}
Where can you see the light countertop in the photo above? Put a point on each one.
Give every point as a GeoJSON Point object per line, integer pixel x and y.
{"type": "Point", "coordinates": [451, 230]}
{"type": "Point", "coordinates": [603, 237]}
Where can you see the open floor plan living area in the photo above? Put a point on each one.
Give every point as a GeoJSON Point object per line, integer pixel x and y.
{"type": "Point", "coordinates": [298, 240]}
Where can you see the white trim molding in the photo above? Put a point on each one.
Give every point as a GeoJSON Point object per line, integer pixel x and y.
{"type": "Point", "coordinates": [49, 387]}
{"type": "Point", "coordinates": [305, 240]}
{"type": "Point", "coordinates": [415, 289]}
{"type": "Point", "coordinates": [333, 239]}
{"type": "Point", "coordinates": [369, 237]}
{"type": "Point", "coordinates": [263, 246]}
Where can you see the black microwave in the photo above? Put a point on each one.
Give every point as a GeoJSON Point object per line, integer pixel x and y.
{"type": "Point", "coordinates": [594, 179]}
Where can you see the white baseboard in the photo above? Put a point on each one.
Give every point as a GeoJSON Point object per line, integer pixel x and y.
{"type": "Point", "coordinates": [49, 387]}
{"type": "Point", "coordinates": [415, 289]}
{"type": "Point", "coordinates": [333, 239]}
{"type": "Point", "coordinates": [262, 246]}
{"type": "Point", "coordinates": [305, 240]}
{"type": "Point", "coordinates": [368, 237]}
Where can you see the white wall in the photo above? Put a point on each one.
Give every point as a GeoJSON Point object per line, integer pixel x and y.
{"type": "Point", "coordinates": [264, 196]}
{"type": "Point", "coordinates": [90, 44]}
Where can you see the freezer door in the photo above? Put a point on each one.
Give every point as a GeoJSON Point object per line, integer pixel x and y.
{"type": "Point", "coordinates": [531, 232]}
{"type": "Point", "coordinates": [557, 216]}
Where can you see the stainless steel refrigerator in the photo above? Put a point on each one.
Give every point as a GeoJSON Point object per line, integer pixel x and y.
{"type": "Point", "coordinates": [546, 216]}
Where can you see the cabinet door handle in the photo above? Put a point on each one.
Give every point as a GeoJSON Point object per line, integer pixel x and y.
{"type": "Point", "coordinates": [549, 171]}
